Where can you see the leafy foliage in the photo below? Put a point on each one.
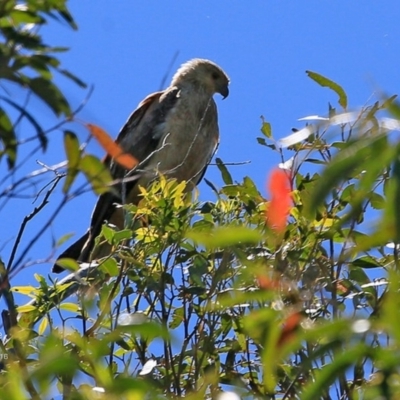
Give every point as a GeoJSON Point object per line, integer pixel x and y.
{"type": "Point", "coordinates": [25, 60]}
{"type": "Point", "coordinates": [197, 298]}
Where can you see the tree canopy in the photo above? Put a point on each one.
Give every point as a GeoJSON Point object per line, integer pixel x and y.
{"type": "Point", "coordinates": [295, 295]}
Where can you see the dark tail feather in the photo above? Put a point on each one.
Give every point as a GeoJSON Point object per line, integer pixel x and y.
{"type": "Point", "coordinates": [74, 251]}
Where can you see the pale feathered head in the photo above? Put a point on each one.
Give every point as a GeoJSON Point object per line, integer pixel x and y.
{"type": "Point", "coordinates": [203, 73]}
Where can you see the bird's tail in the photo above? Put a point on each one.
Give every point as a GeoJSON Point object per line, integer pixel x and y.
{"type": "Point", "coordinates": [75, 251]}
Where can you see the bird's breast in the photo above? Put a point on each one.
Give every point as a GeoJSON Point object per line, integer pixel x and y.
{"type": "Point", "coordinates": [188, 137]}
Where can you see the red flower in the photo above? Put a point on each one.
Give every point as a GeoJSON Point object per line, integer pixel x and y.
{"type": "Point", "coordinates": [281, 200]}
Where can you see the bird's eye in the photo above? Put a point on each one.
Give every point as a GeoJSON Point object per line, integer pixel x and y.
{"type": "Point", "coordinates": [215, 76]}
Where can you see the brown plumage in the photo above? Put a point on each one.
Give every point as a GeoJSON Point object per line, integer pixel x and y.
{"type": "Point", "coordinates": [173, 132]}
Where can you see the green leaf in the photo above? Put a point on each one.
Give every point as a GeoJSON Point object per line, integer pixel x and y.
{"type": "Point", "coordinates": [39, 62]}
{"type": "Point", "coordinates": [149, 330]}
{"type": "Point", "coordinates": [392, 214]}
{"type": "Point", "coordinates": [108, 233]}
{"type": "Point", "coordinates": [51, 95]}
{"type": "Point", "coordinates": [388, 102]}
{"type": "Point", "coordinates": [96, 172]}
{"type": "Point", "coordinates": [231, 190]}
{"type": "Point", "coordinates": [225, 236]}
{"type": "Point", "coordinates": [198, 270]}
{"type": "Point", "coordinates": [315, 161]}
{"type": "Point", "coordinates": [110, 267]}
{"type": "Point", "coordinates": [28, 40]}
{"type": "Point", "coordinates": [26, 308]}
{"type": "Point", "coordinates": [122, 235]}
{"type": "Point", "coordinates": [64, 238]}
{"type": "Point", "coordinates": [391, 306]}
{"type": "Point", "coordinates": [25, 17]}
{"type": "Point", "coordinates": [358, 275]}
{"type": "Point", "coordinates": [266, 128]}
{"type": "Point", "coordinates": [39, 131]}
{"type": "Point", "coordinates": [325, 82]}
{"type": "Point", "coordinates": [65, 14]}
{"type": "Point", "coordinates": [177, 318]}
{"type": "Point", "coordinates": [71, 307]}
{"type": "Point", "coordinates": [211, 185]}
{"type": "Point", "coordinates": [365, 262]}
{"type": "Point", "coordinates": [333, 370]}
{"type": "Point", "coordinates": [348, 194]}
{"type": "Point", "coordinates": [27, 290]}
{"type": "Point", "coordinates": [8, 138]}
{"type": "Point", "coordinates": [377, 201]}
{"type": "Point", "coordinates": [226, 176]}
{"type": "Point", "coordinates": [262, 141]}
{"type": "Point", "coordinates": [73, 152]}
{"type": "Point", "coordinates": [394, 109]}
{"type": "Point", "coordinates": [73, 77]}
{"type": "Point", "coordinates": [358, 155]}
{"type": "Point", "coordinates": [44, 323]}
{"type": "Point", "coordinates": [250, 188]}
{"type": "Point", "coordinates": [68, 264]}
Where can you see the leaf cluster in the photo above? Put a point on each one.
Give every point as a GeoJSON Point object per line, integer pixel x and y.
{"type": "Point", "coordinates": [197, 298]}
{"type": "Point", "coordinates": [27, 62]}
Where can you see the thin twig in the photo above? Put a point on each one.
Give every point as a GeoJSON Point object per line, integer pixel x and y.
{"type": "Point", "coordinates": [27, 218]}
{"type": "Point", "coordinates": [233, 163]}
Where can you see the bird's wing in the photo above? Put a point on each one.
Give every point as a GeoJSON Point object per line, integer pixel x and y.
{"type": "Point", "coordinates": [140, 137]}
{"type": "Point", "coordinates": [142, 131]}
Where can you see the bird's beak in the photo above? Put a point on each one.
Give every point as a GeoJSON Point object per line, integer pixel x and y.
{"type": "Point", "coordinates": [224, 92]}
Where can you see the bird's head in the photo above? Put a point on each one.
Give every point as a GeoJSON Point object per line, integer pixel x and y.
{"type": "Point", "coordinates": [204, 74]}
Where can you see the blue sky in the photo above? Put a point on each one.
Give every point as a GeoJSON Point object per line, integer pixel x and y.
{"type": "Point", "coordinates": [124, 49]}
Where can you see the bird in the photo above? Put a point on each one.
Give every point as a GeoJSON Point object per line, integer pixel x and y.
{"type": "Point", "coordinates": [173, 132]}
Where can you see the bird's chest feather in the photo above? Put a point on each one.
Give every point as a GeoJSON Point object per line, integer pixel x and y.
{"type": "Point", "coordinates": [187, 140]}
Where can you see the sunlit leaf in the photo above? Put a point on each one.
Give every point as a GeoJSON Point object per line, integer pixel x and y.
{"type": "Point", "coordinates": [72, 150]}
{"type": "Point", "coordinates": [110, 267]}
{"type": "Point", "coordinates": [177, 318]}
{"type": "Point", "coordinates": [71, 307]}
{"type": "Point", "coordinates": [44, 323]}
{"type": "Point", "coordinates": [27, 290]}
{"type": "Point", "coordinates": [64, 238]}
{"type": "Point", "coordinates": [25, 17]}
{"type": "Point", "coordinates": [225, 236]}
{"type": "Point", "coordinates": [26, 308]}
{"type": "Point", "coordinates": [68, 264]}
{"type": "Point", "coordinates": [96, 173]}
{"type": "Point", "coordinates": [266, 128]}
{"type": "Point", "coordinates": [325, 82]}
